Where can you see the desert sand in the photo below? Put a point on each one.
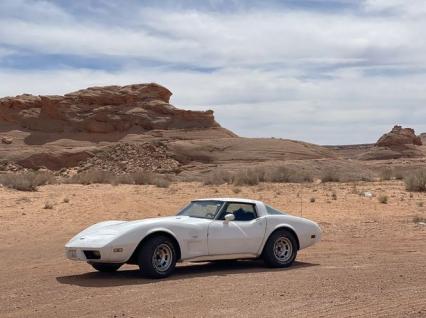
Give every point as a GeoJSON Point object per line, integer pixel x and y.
{"type": "Point", "coordinates": [371, 261]}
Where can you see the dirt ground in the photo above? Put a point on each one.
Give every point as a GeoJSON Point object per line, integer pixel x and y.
{"type": "Point", "coordinates": [371, 261]}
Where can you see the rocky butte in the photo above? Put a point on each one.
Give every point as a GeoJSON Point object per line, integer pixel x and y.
{"type": "Point", "coordinates": [399, 136]}
{"type": "Point", "coordinates": [103, 110]}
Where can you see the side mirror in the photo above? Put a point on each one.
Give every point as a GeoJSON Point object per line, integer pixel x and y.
{"type": "Point", "coordinates": [229, 217]}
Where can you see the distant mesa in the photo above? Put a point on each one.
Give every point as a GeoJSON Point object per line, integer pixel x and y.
{"type": "Point", "coordinates": [105, 109]}
{"type": "Point", "coordinates": [398, 143]}
{"type": "Point", "coordinates": [399, 136]}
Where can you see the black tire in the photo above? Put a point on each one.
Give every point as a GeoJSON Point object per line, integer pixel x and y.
{"type": "Point", "coordinates": [288, 249]}
{"type": "Point", "coordinates": [105, 267]}
{"type": "Point", "coordinates": [148, 263]}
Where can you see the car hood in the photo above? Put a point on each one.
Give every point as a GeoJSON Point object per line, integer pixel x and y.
{"type": "Point", "coordinates": [115, 228]}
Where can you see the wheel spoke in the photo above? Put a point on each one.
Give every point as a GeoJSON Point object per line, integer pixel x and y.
{"type": "Point", "coordinates": [162, 257]}
{"type": "Point", "coordinates": [282, 249]}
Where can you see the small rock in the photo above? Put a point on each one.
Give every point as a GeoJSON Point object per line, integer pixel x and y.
{"type": "Point", "coordinates": [6, 140]}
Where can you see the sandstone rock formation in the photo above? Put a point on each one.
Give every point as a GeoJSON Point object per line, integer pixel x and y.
{"type": "Point", "coordinates": [103, 110]}
{"type": "Point", "coordinates": [6, 140]}
{"type": "Point", "coordinates": [398, 143]}
{"type": "Point", "coordinates": [399, 136]}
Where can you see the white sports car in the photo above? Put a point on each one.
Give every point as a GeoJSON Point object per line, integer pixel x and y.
{"type": "Point", "coordinates": [205, 230]}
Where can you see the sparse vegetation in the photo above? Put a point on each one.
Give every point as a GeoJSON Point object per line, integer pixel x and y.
{"type": "Point", "coordinates": [383, 199]}
{"type": "Point", "coordinates": [420, 204]}
{"type": "Point", "coordinates": [252, 176]}
{"type": "Point", "coordinates": [416, 182]}
{"type": "Point", "coordinates": [236, 190]}
{"type": "Point", "coordinates": [399, 175]}
{"type": "Point", "coordinates": [28, 181]}
{"type": "Point", "coordinates": [139, 177]}
{"type": "Point", "coordinates": [419, 219]}
{"type": "Point", "coordinates": [330, 176]}
{"type": "Point", "coordinates": [48, 205]}
{"type": "Point", "coordinates": [386, 174]}
{"type": "Point", "coordinates": [217, 177]}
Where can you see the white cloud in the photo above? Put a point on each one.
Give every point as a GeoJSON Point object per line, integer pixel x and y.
{"type": "Point", "coordinates": [322, 77]}
{"type": "Point", "coordinates": [412, 8]}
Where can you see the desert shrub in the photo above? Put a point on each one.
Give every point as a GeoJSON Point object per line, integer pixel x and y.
{"type": "Point", "coordinates": [279, 174]}
{"type": "Point", "coordinates": [248, 177]}
{"type": "Point", "coordinates": [330, 176]}
{"type": "Point", "coordinates": [122, 179]}
{"type": "Point", "coordinates": [419, 219]}
{"type": "Point", "coordinates": [28, 181]}
{"type": "Point", "coordinates": [334, 196]}
{"type": "Point", "coordinates": [399, 175]}
{"type": "Point", "coordinates": [93, 176]}
{"type": "Point", "coordinates": [420, 204]}
{"type": "Point", "coordinates": [161, 181]}
{"type": "Point", "coordinates": [146, 177]}
{"type": "Point", "coordinates": [217, 177]}
{"type": "Point", "coordinates": [48, 205]}
{"type": "Point", "coordinates": [383, 199]}
{"type": "Point", "coordinates": [254, 175]}
{"type": "Point", "coordinates": [386, 174]}
{"type": "Point", "coordinates": [312, 200]}
{"type": "Point", "coordinates": [236, 190]}
{"type": "Point", "coordinates": [142, 177]}
{"type": "Point", "coordinates": [139, 177]}
{"type": "Point", "coordinates": [284, 174]}
{"type": "Point", "coordinates": [416, 182]}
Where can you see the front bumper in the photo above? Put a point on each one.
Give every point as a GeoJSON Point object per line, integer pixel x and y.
{"type": "Point", "coordinates": [87, 252]}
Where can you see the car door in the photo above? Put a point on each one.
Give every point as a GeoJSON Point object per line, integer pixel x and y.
{"type": "Point", "coordinates": [241, 236]}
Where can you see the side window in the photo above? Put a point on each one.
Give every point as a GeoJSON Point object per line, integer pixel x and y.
{"type": "Point", "coordinates": [242, 211]}
{"type": "Point", "coordinates": [272, 211]}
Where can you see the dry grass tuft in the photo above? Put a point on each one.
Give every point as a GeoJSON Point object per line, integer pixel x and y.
{"type": "Point", "coordinates": [416, 182]}
{"type": "Point", "coordinates": [28, 181]}
{"type": "Point", "coordinates": [383, 199]}
{"type": "Point", "coordinates": [48, 205]}
{"type": "Point", "coordinates": [330, 176]}
{"type": "Point", "coordinates": [139, 177]}
{"type": "Point", "coordinates": [217, 177]}
{"type": "Point", "coordinates": [386, 174]}
{"type": "Point", "coordinates": [236, 190]}
{"type": "Point", "coordinates": [255, 175]}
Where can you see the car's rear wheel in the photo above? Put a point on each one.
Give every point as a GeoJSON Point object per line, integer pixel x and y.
{"type": "Point", "coordinates": [157, 257]}
{"type": "Point", "coordinates": [105, 267]}
{"type": "Point", "coordinates": [281, 249]}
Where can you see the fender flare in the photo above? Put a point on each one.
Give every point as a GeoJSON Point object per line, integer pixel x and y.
{"type": "Point", "coordinates": [283, 226]}
{"type": "Point", "coordinates": [153, 232]}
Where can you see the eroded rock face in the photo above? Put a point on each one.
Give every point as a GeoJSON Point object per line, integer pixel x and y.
{"type": "Point", "coordinates": [399, 137]}
{"type": "Point", "coordinates": [105, 109]}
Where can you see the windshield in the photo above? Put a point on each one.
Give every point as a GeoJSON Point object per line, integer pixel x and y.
{"type": "Point", "coordinates": [202, 209]}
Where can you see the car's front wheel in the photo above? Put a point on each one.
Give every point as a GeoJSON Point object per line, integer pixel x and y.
{"type": "Point", "coordinates": [280, 249]}
{"type": "Point", "coordinates": [157, 257]}
{"type": "Point", "coordinates": [105, 267]}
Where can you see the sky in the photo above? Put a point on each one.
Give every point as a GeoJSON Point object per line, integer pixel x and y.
{"type": "Point", "coordinates": [326, 72]}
